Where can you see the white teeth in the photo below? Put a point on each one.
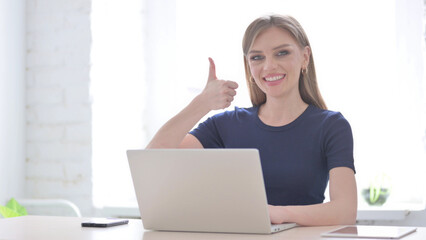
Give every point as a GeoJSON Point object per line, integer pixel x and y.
{"type": "Point", "coordinates": [270, 79]}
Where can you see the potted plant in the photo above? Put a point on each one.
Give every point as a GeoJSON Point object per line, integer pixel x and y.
{"type": "Point", "coordinates": [378, 192]}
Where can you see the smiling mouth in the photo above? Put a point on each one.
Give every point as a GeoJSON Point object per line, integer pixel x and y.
{"type": "Point", "coordinates": [274, 78]}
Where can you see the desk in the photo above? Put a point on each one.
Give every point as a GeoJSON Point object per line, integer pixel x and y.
{"type": "Point", "coordinates": [64, 228]}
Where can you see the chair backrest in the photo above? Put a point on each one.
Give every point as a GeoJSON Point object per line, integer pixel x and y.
{"type": "Point", "coordinates": [50, 207]}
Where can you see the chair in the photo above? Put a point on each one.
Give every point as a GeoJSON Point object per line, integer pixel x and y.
{"type": "Point", "coordinates": [50, 207]}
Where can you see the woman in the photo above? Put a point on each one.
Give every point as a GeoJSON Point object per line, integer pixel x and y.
{"type": "Point", "coordinates": [302, 145]}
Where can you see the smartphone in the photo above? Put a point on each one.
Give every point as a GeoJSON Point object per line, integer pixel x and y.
{"type": "Point", "coordinates": [104, 222]}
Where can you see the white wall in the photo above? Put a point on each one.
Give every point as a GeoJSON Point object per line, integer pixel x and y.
{"type": "Point", "coordinates": [58, 163]}
{"type": "Point", "coordinates": [12, 105]}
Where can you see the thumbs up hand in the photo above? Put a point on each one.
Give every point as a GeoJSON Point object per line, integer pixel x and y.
{"type": "Point", "coordinates": [218, 93]}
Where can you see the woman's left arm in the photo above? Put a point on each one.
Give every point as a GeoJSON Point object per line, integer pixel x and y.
{"type": "Point", "coordinates": [341, 210]}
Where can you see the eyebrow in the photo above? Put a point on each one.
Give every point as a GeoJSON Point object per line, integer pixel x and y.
{"type": "Point", "coordinates": [275, 48]}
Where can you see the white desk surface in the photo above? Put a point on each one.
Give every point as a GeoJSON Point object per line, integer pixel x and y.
{"type": "Point", "coordinates": [64, 228]}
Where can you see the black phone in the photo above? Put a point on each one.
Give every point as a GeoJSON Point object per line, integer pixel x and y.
{"type": "Point", "coordinates": [104, 222]}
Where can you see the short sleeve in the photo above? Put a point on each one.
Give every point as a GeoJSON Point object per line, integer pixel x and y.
{"type": "Point", "coordinates": [208, 134]}
{"type": "Point", "coordinates": [338, 143]}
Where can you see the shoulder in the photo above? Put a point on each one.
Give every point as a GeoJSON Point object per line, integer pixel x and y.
{"type": "Point", "coordinates": [327, 117]}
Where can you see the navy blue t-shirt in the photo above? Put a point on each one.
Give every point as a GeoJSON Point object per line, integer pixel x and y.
{"type": "Point", "coordinates": [296, 158]}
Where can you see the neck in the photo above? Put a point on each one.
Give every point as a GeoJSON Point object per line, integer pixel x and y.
{"type": "Point", "coordinates": [279, 112]}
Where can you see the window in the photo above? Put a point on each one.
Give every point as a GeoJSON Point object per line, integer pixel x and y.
{"type": "Point", "coordinates": [369, 64]}
{"type": "Point", "coordinates": [118, 95]}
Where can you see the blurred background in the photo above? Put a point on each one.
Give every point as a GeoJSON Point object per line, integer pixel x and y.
{"type": "Point", "coordinates": [82, 81]}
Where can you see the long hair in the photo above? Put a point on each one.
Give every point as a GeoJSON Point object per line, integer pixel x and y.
{"type": "Point", "coordinates": [308, 86]}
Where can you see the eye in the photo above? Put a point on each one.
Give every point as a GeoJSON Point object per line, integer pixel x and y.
{"type": "Point", "coordinates": [283, 53]}
{"type": "Point", "coordinates": [256, 57]}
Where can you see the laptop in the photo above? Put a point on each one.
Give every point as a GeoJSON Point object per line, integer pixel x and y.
{"type": "Point", "coordinates": [201, 190]}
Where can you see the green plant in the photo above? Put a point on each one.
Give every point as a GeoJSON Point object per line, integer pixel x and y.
{"type": "Point", "coordinates": [379, 190]}
{"type": "Point", "coordinates": [12, 209]}
{"type": "Point", "coordinates": [376, 196]}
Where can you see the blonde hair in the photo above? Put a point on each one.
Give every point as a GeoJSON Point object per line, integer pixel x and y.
{"type": "Point", "coordinates": [308, 86]}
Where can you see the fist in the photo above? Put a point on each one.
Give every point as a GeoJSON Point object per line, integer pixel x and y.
{"type": "Point", "coordinates": [219, 94]}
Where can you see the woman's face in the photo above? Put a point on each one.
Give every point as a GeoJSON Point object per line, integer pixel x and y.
{"type": "Point", "coordinates": [275, 60]}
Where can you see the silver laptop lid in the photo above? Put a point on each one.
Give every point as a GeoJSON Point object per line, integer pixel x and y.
{"type": "Point", "coordinates": [206, 190]}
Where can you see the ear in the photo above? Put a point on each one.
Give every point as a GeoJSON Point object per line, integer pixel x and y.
{"type": "Point", "coordinates": [306, 55]}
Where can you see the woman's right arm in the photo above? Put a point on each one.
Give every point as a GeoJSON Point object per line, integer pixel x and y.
{"type": "Point", "coordinates": [217, 94]}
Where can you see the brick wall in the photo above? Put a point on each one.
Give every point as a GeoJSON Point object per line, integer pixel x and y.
{"type": "Point", "coordinates": [58, 106]}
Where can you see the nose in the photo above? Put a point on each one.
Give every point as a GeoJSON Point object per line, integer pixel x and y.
{"type": "Point", "coordinates": [269, 64]}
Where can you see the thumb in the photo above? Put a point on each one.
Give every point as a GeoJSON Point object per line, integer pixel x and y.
{"type": "Point", "coordinates": [212, 70]}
